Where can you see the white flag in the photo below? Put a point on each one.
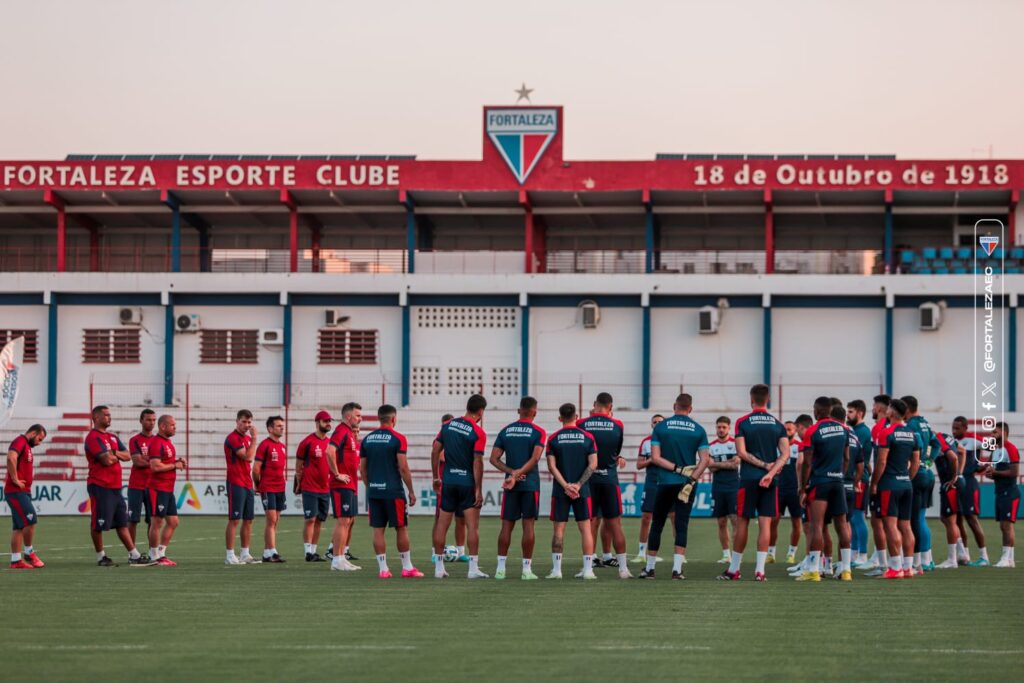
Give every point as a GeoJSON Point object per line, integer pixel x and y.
{"type": "Point", "coordinates": [10, 365]}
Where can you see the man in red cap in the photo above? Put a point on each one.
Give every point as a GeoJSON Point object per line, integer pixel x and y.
{"type": "Point", "coordinates": [313, 476]}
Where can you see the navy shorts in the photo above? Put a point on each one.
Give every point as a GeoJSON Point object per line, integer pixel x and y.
{"type": "Point", "coordinates": [606, 500]}
{"type": "Point", "coordinates": [647, 499]}
{"type": "Point", "coordinates": [893, 503]}
{"type": "Point", "coordinates": [162, 503]}
{"type": "Point", "coordinates": [924, 488]}
{"type": "Point", "coordinates": [969, 497]}
{"type": "Point", "coordinates": [109, 508]}
{"type": "Point", "coordinates": [388, 512]}
{"type": "Point", "coordinates": [457, 498]}
{"type": "Point", "coordinates": [274, 500]}
{"type": "Point", "coordinates": [754, 501]}
{"type": "Point", "coordinates": [834, 496]}
{"type": "Point", "coordinates": [856, 500]}
{"type": "Point", "coordinates": [517, 505]}
{"type": "Point", "coordinates": [1007, 505]}
{"type": "Point", "coordinates": [949, 503]}
{"type": "Point", "coordinates": [241, 502]}
{"type": "Point", "coordinates": [345, 502]}
{"type": "Point", "coordinates": [315, 505]}
{"type": "Point", "coordinates": [561, 504]}
{"type": "Point", "coordinates": [138, 502]}
{"type": "Point", "coordinates": [789, 502]}
{"type": "Point", "coordinates": [23, 513]}
{"type": "Point", "coordinates": [723, 503]}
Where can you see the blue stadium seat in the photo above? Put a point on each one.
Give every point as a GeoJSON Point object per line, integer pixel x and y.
{"type": "Point", "coordinates": [946, 253]}
{"type": "Point", "coordinates": [1013, 270]}
{"type": "Point", "coordinates": [1017, 253]}
{"type": "Point", "coordinates": [941, 270]}
{"type": "Point", "coordinates": [906, 257]}
{"type": "Point", "coordinates": [998, 253]}
{"type": "Point", "coordinates": [963, 253]}
{"type": "Point", "coordinates": [928, 253]}
{"type": "Point", "coordinates": [959, 270]}
{"type": "Point", "coordinates": [922, 270]}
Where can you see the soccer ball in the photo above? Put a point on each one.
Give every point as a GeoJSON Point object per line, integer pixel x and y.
{"type": "Point", "coordinates": [451, 553]}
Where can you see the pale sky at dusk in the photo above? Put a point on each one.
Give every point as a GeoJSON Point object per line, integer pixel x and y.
{"type": "Point", "coordinates": [915, 78]}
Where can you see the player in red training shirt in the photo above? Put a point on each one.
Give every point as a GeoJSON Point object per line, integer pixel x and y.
{"type": "Point", "coordinates": [268, 471]}
{"type": "Point", "coordinates": [18, 492]}
{"type": "Point", "coordinates": [314, 476]}
{"type": "Point", "coordinates": [164, 466]}
{"type": "Point", "coordinates": [343, 461]}
{"type": "Point", "coordinates": [239, 451]}
{"type": "Point", "coordinates": [138, 478]}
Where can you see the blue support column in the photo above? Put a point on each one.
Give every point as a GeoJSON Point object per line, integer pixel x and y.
{"type": "Point", "coordinates": [888, 350]}
{"type": "Point", "coordinates": [766, 313]}
{"type": "Point", "coordinates": [406, 360]}
{"type": "Point", "coordinates": [174, 203]}
{"type": "Point", "coordinates": [524, 347]}
{"type": "Point", "coordinates": [169, 351]}
{"type": "Point", "coordinates": [890, 263]}
{"type": "Point", "coordinates": [287, 351]}
{"type": "Point", "coordinates": [1011, 362]}
{"type": "Point", "coordinates": [649, 237]}
{"type": "Point", "coordinates": [51, 353]}
{"type": "Point", "coordinates": [645, 398]}
{"type": "Point", "coordinates": [410, 235]}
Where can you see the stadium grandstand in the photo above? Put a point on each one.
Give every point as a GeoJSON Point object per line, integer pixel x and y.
{"type": "Point", "coordinates": [206, 283]}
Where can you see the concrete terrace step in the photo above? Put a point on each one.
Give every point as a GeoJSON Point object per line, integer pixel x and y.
{"type": "Point", "coordinates": [65, 439]}
{"type": "Point", "coordinates": [76, 416]}
{"type": "Point", "coordinates": [73, 428]}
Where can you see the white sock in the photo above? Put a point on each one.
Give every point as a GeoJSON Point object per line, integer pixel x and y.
{"type": "Point", "coordinates": [983, 553]}
{"type": "Point", "coordinates": [15, 557]}
{"type": "Point", "coordinates": [814, 561]}
{"type": "Point", "coordinates": [725, 553]}
{"type": "Point", "coordinates": [527, 564]}
{"type": "Point", "coordinates": [896, 564]}
{"type": "Point", "coordinates": [1013, 553]}
{"type": "Point", "coordinates": [382, 562]}
{"type": "Point", "coordinates": [462, 550]}
{"type": "Point", "coordinates": [917, 559]}
{"type": "Point", "coordinates": [345, 551]}
{"type": "Point", "coordinates": [677, 562]}
{"type": "Point", "coordinates": [267, 553]}
{"type": "Point", "coordinates": [908, 562]}
{"type": "Point", "coordinates": [771, 552]}
{"type": "Point", "coordinates": [606, 557]}
{"type": "Point", "coordinates": [844, 559]}
{"type": "Point", "coordinates": [133, 553]}
{"type": "Point", "coordinates": [230, 554]}
{"type": "Point", "coordinates": [307, 547]}
{"type": "Point", "coordinates": [330, 547]}
{"type": "Point", "coordinates": [951, 548]}
{"type": "Point", "coordinates": [474, 561]}
{"type": "Point", "coordinates": [1007, 553]}
{"type": "Point", "coordinates": [961, 550]}
{"type": "Point", "coordinates": [337, 560]}
{"type": "Point", "coordinates": [556, 562]}
{"type": "Point", "coordinates": [623, 561]}
{"type": "Point", "coordinates": [439, 567]}
{"type": "Point", "coordinates": [791, 550]}
{"type": "Point", "coordinates": [642, 550]}
{"type": "Point", "coordinates": [588, 563]}
{"type": "Point", "coordinates": [735, 562]}
{"type": "Point", "coordinates": [312, 548]}
{"type": "Point", "coordinates": [406, 560]}
{"type": "Point", "coordinates": [29, 549]}
{"type": "Point", "coordinates": [245, 553]}
{"type": "Point", "coordinates": [501, 562]}
{"type": "Point", "coordinates": [100, 555]}
{"type": "Point", "coordinates": [762, 556]}
{"type": "Point", "coordinates": [651, 561]}
{"type": "Point", "coordinates": [874, 556]}
{"type": "Point", "coordinates": [883, 558]}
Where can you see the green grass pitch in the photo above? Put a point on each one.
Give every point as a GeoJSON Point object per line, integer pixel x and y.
{"type": "Point", "coordinates": [73, 621]}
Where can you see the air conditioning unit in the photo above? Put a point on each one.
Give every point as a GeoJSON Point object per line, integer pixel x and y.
{"type": "Point", "coordinates": [591, 313]}
{"type": "Point", "coordinates": [187, 322]}
{"type": "Point", "coordinates": [333, 318]}
{"type": "Point", "coordinates": [930, 315]}
{"type": "Point", "coordinates": [708, 319]}
{"type": "Point", "coordinates": [272, 336]}
{"type": "Point", "coordinates": [131, 316]}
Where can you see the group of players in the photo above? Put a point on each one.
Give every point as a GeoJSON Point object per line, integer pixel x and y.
{"type": "Point", "coordinates": [827, 469]}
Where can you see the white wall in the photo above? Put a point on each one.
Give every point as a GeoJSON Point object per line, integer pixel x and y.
{"type": "Point", "coordinates": [33, 378]}
{"type": "Point", "coordinates": [114, 382]}
{"type": "Point", "coordinates": [831, 351]}
{"type": "Point", "coordinates": [491, 345]}
{"type": "Point", "coordinates": [563, 354]}
{"type": "Point", "coordinates": [716, 369]}
{"type": "Point", "coordinates": [330, 386]}
{"type": "Point", "coordinates": [230, 385]}
{"type": "Point", "coordinates": [936, 367]}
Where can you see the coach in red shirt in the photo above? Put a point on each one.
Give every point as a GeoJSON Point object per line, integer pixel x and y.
{"type": "Point", "coordinates": [18, 492]}
{"type": "Point", "coordinates": [239, 452]}
{"type": "Point", "coordinates": [314, 475]}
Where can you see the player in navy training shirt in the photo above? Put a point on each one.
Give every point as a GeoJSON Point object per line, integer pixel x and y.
{"type": "Point", "coordinates": [605, 494]}
{"type": "Point", "coordinates": [463, 442]}
{"type": "Point", "coordinates": [572, 459]}
{"type": "Point", "coordinates": [826, 456]}
{"type": "Point", "coordinates": [1003, 470]}
{"type": "Point", "coordinates": [855, 412]}
{"type": "Point", "coordinates": [899, 456]}
{"type": "Point", "coordinates": [878, 561]}
{"type": "Point", "coordinates": [384, 469]}
{"type": "Point", "coordinates": [679, 448]}
{"type": "Point", "coordinates": [522, 444]}
{"type": "Point", "coordinates": [969, 495]}
{"type": "Point", "coordinates": [763, 448]}
{"type": "Point", "coordinates": [949, 454]}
